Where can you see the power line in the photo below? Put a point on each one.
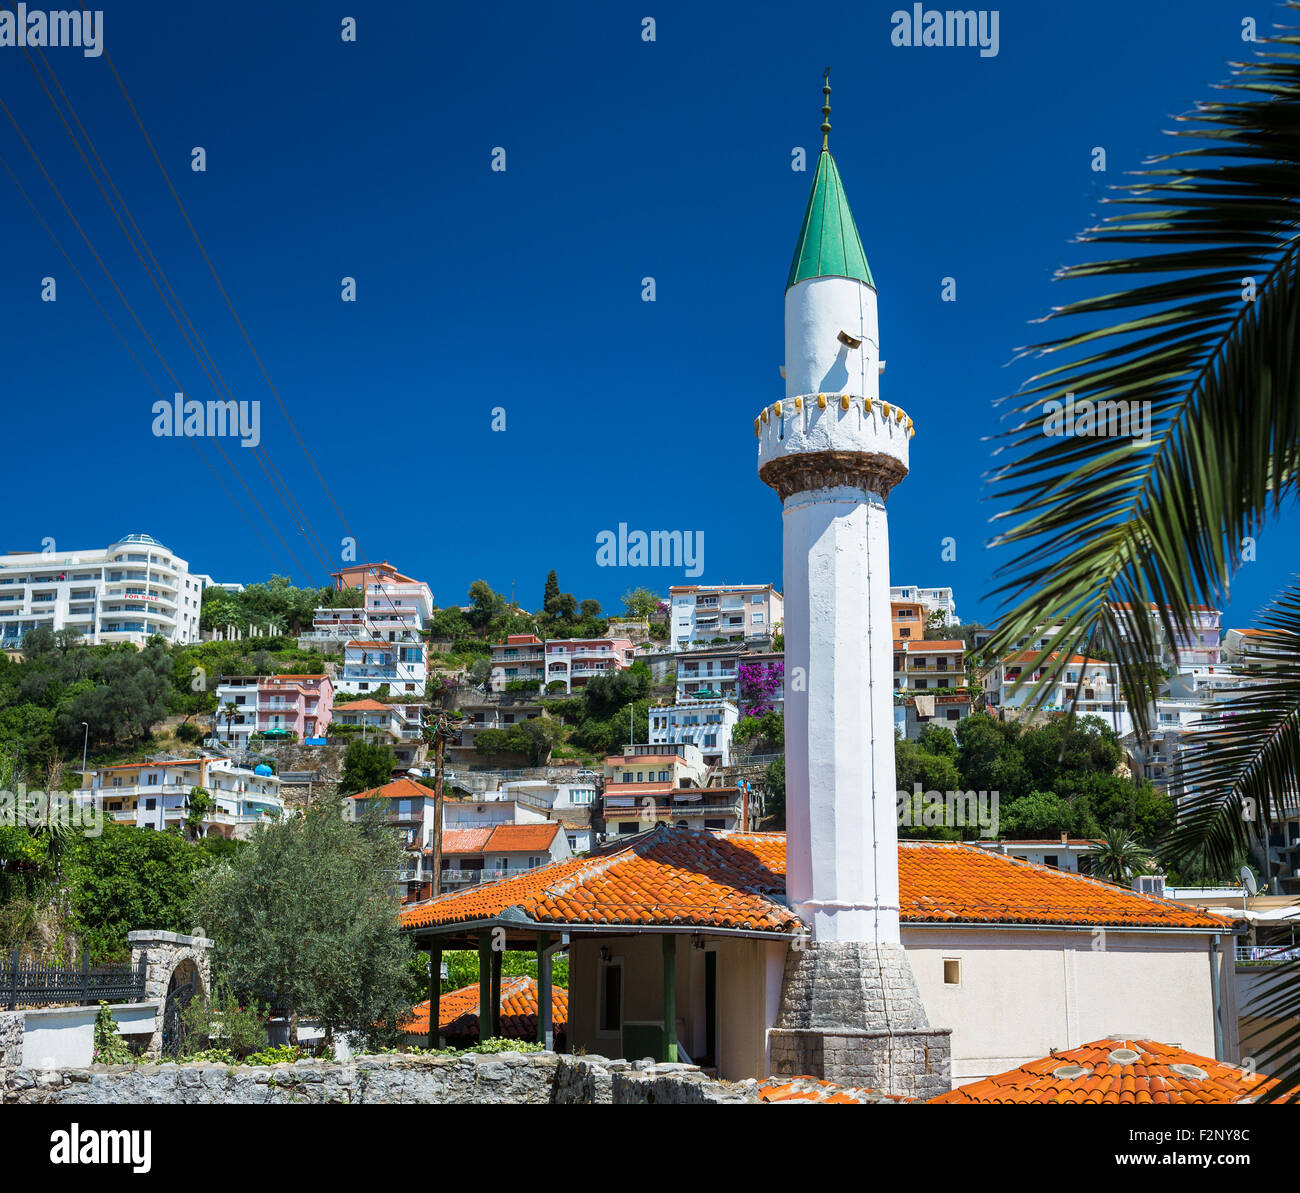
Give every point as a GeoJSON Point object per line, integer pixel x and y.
{"type": "Point", "coordinates": [135, 318]}
{"type": "Point", "coordinates": [261, 454]}
{"type": "Point", "coordinates": [130, 352]}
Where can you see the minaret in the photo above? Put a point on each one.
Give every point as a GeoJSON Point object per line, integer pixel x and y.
{"type": "Point", "coordinates": [833, 451]}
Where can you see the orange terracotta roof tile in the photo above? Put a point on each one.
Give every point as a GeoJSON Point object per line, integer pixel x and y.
{"type": "Point", "coordinates": [1028, 656]}
{"type": "Point", "coordinates": [458, 1011]}
{"type": "Point", "coordinates": [508, 838]}
{"type": "Point", "coordinates": [1116, 1072]}
{"type": "Point", "coordinates": [670, 876]}
{"type": "Point", "coordinates": [373, 645]}
{"type": "Point", "coordinates": [361, 706]}
{"type": "Point", "coordinates": [464, 840]}
{"type": "Point", "coordinates": [812, 1091]}
{"type": "Point", "coordinates": [737, 881]}
{"type": "Point", "coordinates": [402, 788]}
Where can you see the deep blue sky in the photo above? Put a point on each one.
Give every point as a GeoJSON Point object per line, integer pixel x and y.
{"type": "Point", "coordinates": [522, 289]}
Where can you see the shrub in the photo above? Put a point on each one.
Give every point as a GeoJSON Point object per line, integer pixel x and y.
{"type": "Point", "coordinates": [110, 1048]}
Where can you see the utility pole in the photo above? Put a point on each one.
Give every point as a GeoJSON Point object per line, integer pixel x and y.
{"type": "Point", "coordinates": [438, 728]}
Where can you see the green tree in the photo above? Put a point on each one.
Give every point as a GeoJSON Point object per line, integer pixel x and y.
{"type": "Point", "coordinates": [774, 778]}
{"type": "Point", "coordinates": [127, 879]}
{"type": "Point", "coordinates": [305, 920]}
{"type": "Point", "coordinates": [365, 765]}
{"type": "Point", "coordinates": [1036, 815]}
{"type": "Point", "coordinates": [551, 594]}
{"type": "Point", "coordinates": [485, 605]}
{"type": "Point", "coordinates": [1119, 858]}
{"type": "Point", "coordinates": [640, 603]}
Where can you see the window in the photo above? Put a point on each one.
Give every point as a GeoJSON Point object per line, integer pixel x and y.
{"type": "Point", "coordinates": [1052, 860]}
{"type": "Point", "coordinates": [951, 971]}
{"type": "Point", "coordinates": [756, 618]}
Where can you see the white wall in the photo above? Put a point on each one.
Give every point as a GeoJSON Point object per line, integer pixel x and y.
{"type": "Point", "coordinates": [64, 1037]}
{"type": "Point", "coordinates": [1024, 993]}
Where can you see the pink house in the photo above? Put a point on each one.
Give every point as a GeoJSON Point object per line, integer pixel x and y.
{"type": "Point", "coordinates": [303, 703]}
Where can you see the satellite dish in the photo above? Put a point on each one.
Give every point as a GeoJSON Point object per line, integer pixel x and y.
{"type": "Point", "coordinates": [1248, 881]}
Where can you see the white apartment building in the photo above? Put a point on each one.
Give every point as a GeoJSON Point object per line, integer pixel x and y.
{"type": "Point", "coordinates": [932, 600]}
{"type": "Point", "coordinates": [712, 614]}
{"type": "Point", "coordinates": [372, 664]}
{"type": "Point", "coordinates": [156, 794]}
{"type": "Point", "coordinates": [929, 665]}
{"type": "Point", "coordinates": [706, 724]}
{"type": "Point", "coordinates": [383, 641]}
{"type": "Point", "coordinates": [1090, 686]}
{"type": "Point", "coordinates": [126, 592]}
{"type": "Point", "coordinates": [574, 661]}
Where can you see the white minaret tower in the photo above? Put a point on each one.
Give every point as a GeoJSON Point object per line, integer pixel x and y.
{"type": "Point", "coordinates": [833, 450]}
{"type": "Point", "coordinates": [850, 1009]}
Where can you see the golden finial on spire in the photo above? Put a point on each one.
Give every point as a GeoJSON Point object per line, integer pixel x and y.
{"type": "Point", "coordinates": [826, 111]}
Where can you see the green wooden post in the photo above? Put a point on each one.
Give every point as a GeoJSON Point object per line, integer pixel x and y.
{"type": "Point", "coordinates": [545, 1030]}
{"type": "Point", "coordinates": [670, 997]}
{"type": "Point", "coordinates": [496, 992]}
{"type": "Point", "coordinates": [484, 985]}
{"type": "Point", "coordinates": [435, 994]}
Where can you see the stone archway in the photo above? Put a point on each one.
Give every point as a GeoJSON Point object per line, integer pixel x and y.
{"type": "Point", "coordinates": [176, 971]}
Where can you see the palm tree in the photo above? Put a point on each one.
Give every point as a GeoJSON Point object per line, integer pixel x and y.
{"type": "Point", "coordinates": [230, 711]}
{"type": "Point", "coordinates": [1120, 537]}
{"type": "Point", "coordinates": [1119, 858]}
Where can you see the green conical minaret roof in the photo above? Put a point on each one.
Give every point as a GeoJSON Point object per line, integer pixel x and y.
{"type": "Point", "coordinates": [829, 244]}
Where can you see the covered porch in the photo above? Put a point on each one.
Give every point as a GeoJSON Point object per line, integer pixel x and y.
{"type": "Point", "coordinates": [684, 993]}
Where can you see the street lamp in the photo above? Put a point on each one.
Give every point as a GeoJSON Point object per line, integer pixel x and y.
{"type": "Point", "coordinates": [85, 741]}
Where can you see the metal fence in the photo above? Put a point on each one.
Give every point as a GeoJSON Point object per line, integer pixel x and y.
{"type": "Point", "coordinates": [1274, 954]}
{"type": "Point", "coordinates": [30, 984]}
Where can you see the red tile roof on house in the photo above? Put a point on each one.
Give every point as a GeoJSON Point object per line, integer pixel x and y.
{"type": "Point", "coordinates": [1116, 1071]}
{"type": "Point", "coordinates": [1029, 656]}
{"type": "Point", "coordinates": [458, 1011]}
{"type": "Point", "coordinates": [929, 645]}
{"type": "Point", "coordinates": [811, 1091]}
{"type": "Point", "coordinates": [464, 840]}
{"type": "Point", "coordinates": [402, 788]}
{"type": "Point", "coordinates": [361, 706]}
{"type": "Point", "coordinates": [372, 645]}
{"type": "Point", "coordinates": [717, 879]}
{"type": "Point", "coordinates": [518, 838]}
{"type": "Point", "coordinates": [669, 876]}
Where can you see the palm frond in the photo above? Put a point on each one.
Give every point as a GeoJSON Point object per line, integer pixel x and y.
{"type": "Point", "coordinates": [1203, 355]}
{"type": "Point", "coordinates": [1238, 765]}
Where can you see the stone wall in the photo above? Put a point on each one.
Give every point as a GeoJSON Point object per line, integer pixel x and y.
{"type": "Point", "coordinates": [542, 1078]}
{"type": "Point", "coordinates": [12, 1026]}
{"type": "Point", "coordinates": [851, 1013]}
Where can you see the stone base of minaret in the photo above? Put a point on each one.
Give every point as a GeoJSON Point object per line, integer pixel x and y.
{"type": "Point", "coordinates": [851, 1014]}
